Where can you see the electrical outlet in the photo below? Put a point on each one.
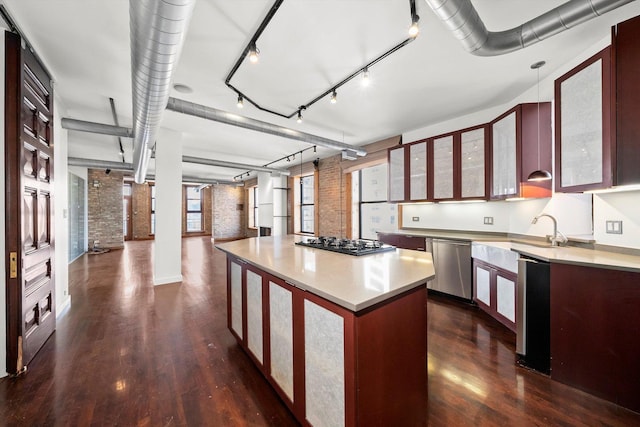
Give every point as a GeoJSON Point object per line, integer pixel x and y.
{"type": "Point", "coordinates": [415, 218]}
{"type": "Point", "coordinates": [613, 227]}
{"type": "Point", "coordinates": [488, 220]}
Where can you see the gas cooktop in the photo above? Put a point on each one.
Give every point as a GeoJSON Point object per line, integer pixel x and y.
{"type": "Point", "coordinates": [347, 246]}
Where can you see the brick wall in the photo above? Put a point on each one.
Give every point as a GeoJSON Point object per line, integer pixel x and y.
{"type": "Point", "coordinates": [229, 212]}
{"type": "Point", "coordinates": [332, 201]}
{"type": "Point", "coordinates": [105, 208]}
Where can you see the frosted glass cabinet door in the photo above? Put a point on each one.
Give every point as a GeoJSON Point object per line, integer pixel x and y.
{"type": "Point", "coordinates": [581, 127]}
{"type": "Point", "coordinates": [505, 180]}
{"type": "Point", "coordinates": [418, 171]}
{"type": "Point", "coordinates": [281, 336]}
{"type": "Point", "coordinates": [506, 297]}
{"type": "Point", "coordinates": [396, 174]}
{"type": "Point", "coordinates": [483, 285]}
{"type": "Point", "coordinates": [254, 314]}
{"type": "Point", "coordinates": [236, 298]}
{"type": "Point", "coordinates": [443, 168]}
{"type": "Point", "coordinates": [324, 366]}
{"type": "Point", "coordinates": [472, 164]}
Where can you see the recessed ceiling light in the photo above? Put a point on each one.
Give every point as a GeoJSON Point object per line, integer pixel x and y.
{"type": "Point", "coordinates": [179, 87]}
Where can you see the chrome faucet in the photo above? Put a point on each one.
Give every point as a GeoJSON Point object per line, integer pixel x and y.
{"type": "Point", "coordinates": [557, 238]}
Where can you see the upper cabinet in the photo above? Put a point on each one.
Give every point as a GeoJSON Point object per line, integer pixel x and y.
{"type": "Point", "coordinates": [418, 171]}
{"type": "Point", "coordinates": [397, 174]}
{"type": "Point", "coordinates": [584, 125]}
{"type": "Point", "coordinates": [473, 176]}
{"type": "Point", "coordinates": [521, 144]}
{"type": "Point", "coordinates": [627, 69]}
{"type": "Point", "coordinates": [443, 168]}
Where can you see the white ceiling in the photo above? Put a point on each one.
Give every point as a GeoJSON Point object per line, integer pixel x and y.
{"type": "Point", "coordinates": [308, 46]}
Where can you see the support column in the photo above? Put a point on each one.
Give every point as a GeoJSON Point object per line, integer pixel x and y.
{"type": "Point", "coordinates": [167, 252]}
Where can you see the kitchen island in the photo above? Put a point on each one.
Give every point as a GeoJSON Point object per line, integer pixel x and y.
{"type": "Point", "coordinates": [342, 339]}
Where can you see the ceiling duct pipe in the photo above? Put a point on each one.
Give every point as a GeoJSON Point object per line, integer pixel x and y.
{"type": "Point", "coordinates": [92, 127]}
{"type": "Point", "coordinates": [213, 114]}
{"type": "Point", "coordinates": [128, 167]}
{"type": "Point", "coordinates": [463, 20]}
{"type": "Point", "coordinates": [158, 29]}
{"type": "Point", "coordinates": [231, 165]}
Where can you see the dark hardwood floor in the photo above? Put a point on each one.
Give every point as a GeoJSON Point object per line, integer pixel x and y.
{"type": "Point", "coordinates": [128, 353]}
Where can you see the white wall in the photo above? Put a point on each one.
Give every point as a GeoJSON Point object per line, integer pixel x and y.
{"type": "Point", "coordinates": [167, 245]}
{"type": "Point", "coordinates": [3, 277]}
{"type": "Point", "coordinates": [61, 208]}
{"type": "Point", "coordinates": [577, 214]}
{"type": "Point", "coordinates": [623, 207]}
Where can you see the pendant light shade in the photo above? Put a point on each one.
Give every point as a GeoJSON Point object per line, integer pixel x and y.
{"type": "Point", "coordinates": [540, 174]}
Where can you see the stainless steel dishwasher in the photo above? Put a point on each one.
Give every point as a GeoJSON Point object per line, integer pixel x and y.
{"type": "Point", "coordinates": [452, 262]}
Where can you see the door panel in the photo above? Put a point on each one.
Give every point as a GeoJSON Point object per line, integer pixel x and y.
{"type": "Point", "coordinates": [29, 164]}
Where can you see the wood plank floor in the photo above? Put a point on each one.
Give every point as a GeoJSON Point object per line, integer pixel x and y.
{"type": "Point", "coordinates": [128, 353]}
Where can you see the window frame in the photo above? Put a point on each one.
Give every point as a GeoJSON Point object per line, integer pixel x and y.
{"type": "Point", "coordinates": [253, 208]}
{"type": "Point", "coordinates": [188, 211]}
{"type": "Point", "coordinates": [302, 205]}
{"type": "Point", "coordinates": [152, 210]}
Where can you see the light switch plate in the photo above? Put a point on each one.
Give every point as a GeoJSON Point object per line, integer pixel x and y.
{"type": "Point", "coordinates": [488, 220]}
{"type": "Point", "coordinates": [613, 227]}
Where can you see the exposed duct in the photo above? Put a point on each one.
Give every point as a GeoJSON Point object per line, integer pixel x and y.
{"type": "Point", "coordinates": [232, 165]}
{"type": "Point", "coordinates": [158, 29]}
{"type": "Point", "coordinates": [463, 20]}
{"type": "Point", "coordinates": [209, 113]}
{"type": "Point", "coordinates": [128, 167]}
{"type": "Point", "coordinates": [92, 127]}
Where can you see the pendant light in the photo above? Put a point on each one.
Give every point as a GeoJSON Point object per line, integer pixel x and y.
{"type": "Point", "coordinates": [539, 174]}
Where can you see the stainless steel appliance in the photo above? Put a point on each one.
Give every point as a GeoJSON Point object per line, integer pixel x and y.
{"type": "Point", "coordinates": [452, 262]}
{"type": "Point", "coordinates": [533, 315]}
{"type": "Point", "coordinates": [346, 246]}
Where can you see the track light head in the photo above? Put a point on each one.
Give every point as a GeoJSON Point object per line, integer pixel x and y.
{"type": "Point", "coordinates": [107, 171]}
{"type": "Point", "coordinates": [253, 53]}
{"type": "Point", "coordinates": [365, 76]}
{"type": "Point", "coordinates": [240, 103]}
{"type": "Point", "coordinates": [334, 97]}
{"type": "Point", "coordinates": [299, 120]}
{"type": "Point", "coordinates": [414, 29]}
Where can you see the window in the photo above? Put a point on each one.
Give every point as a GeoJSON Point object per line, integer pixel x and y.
{"type": "Point", "coordinates": [375, 213]}
{"type": "Point", "coordinates": [194, 209]}
{"type": "Point", "coordinates": [153, 209]}
{"type": "Point", "coordinates": [307, 204]}
{"type": "Point", "coordinates": [253, 207]}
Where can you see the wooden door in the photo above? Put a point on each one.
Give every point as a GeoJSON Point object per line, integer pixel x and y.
{"type": "Point", "coordinates": [29, 207]}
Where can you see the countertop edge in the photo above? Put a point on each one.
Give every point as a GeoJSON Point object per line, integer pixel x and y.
{"type": "Point", "coordinates": [354, 307]}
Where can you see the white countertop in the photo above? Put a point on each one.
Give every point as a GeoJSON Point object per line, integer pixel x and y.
{"type": "Point", "coordinates": [572, 255]}
{"type": "Point", "coordinates": [353, 282]}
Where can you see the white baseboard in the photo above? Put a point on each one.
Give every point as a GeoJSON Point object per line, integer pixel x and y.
{"type": "Point", "coordinates": [63, 307]}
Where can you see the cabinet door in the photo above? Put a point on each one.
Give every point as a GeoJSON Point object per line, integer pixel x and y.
{"type": "Point", "coordinates": [472, 164]}
{"type": "Point", "coordinates": [482, 278]}
{"type": "Point", "coordinates": [418, 171]}
{"type": "Point", "coordinates": [324, 366]}
{"type": "Point", "coordinates": [583, 126]}
{"type": "Point", "coordinates": [235, 289]}
{"type": "Point", "coordinates": [281, 336]}
{"type": "Point", "coordinates": [443, 173]}
{"type": "Point", "coordinates": [396, 174]}
{"type": "Point", "coordinates": [254, 315]}
{"type": "Point", "coordinates": [504, 174]}
{"type": "Point", "coordinates": [506, 297]}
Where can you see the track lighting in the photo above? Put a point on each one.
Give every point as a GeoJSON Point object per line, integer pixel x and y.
{"type": "Point", "coordinates": [334, 97]}
{"type": "Point", "coordinates": [288, 159]}
{"type": "Point", "coordinates": [240, 103]}
{"type": "Point", "coordinates": [365, 76]}
{"type": "Point", "coordinates": [414, 29]}
{"type": "Point", "coordinates": [253, 53]}
{"type": "Point", "coordinates": [299, 120]}
{"type": "Point", "coordinates": [314, 148]}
